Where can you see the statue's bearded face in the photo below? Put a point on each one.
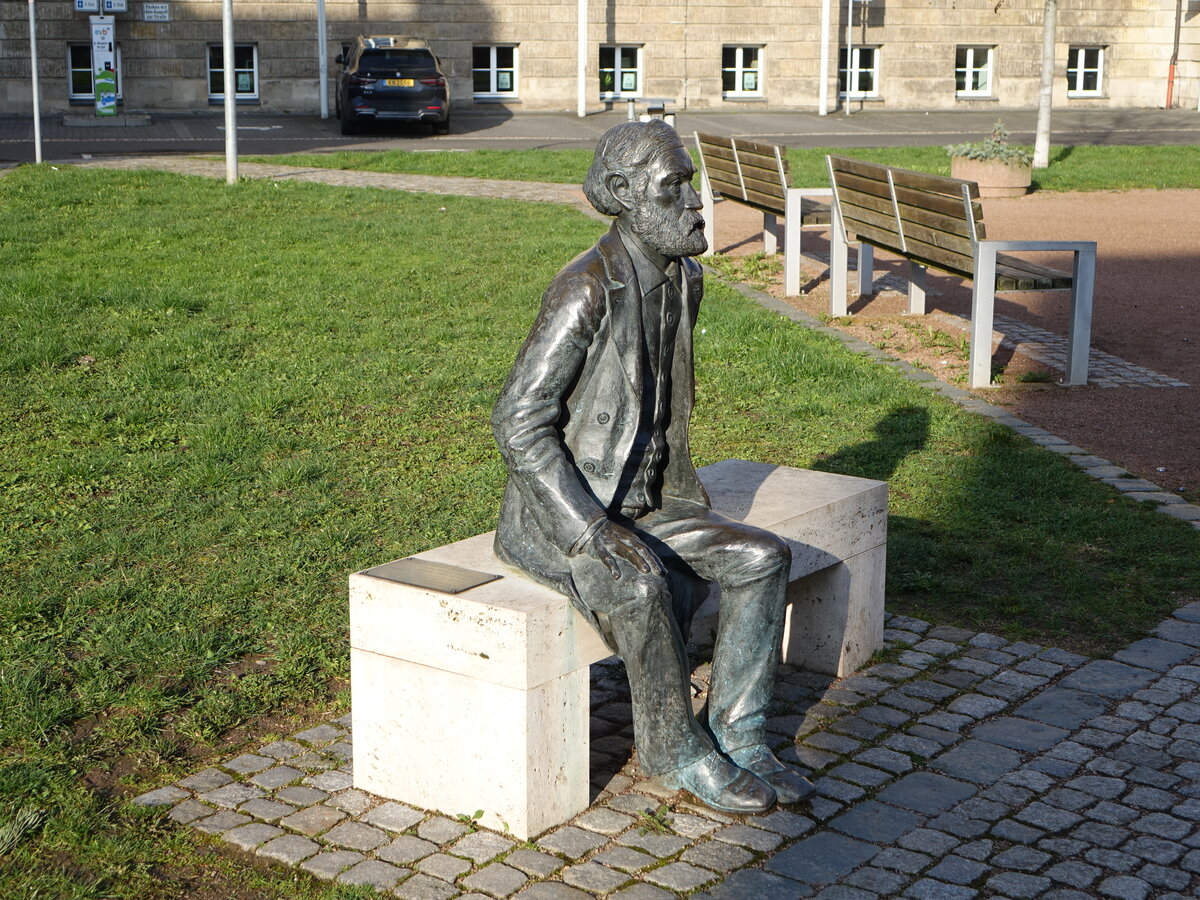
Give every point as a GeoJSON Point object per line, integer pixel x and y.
{"type": "Point", "coordinates": [665, 214]}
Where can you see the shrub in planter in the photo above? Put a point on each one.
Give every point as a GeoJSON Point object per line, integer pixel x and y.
{"type": "Point", "coordinates": [999, 168]}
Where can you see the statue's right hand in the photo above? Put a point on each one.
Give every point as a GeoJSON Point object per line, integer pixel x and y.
{"type": "Point", "coordinates": [611, 542]}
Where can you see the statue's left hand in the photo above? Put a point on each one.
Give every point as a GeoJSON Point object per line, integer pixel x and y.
{"type": "Point", "coordinates": [611, 542]}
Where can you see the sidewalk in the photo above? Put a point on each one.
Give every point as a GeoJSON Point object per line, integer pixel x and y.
{"type": "Point", "coordinates": [267, 133]}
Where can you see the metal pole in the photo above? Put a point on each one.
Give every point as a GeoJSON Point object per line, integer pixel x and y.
{"type": "Point", "coordinates": [37, 94]}
{"type": "Point", "coordinates": [1041, 140]}
{"type": "Point", "coordinates": [849, 52]}
{"type": "Point", "coordinates": [823, 84]}
{"type": "Point", "coordinates": [322, 59]}
{"type": "Point", "coordinates": [581, 60]}
{"type": "Point", "coordinates": [231, 160]}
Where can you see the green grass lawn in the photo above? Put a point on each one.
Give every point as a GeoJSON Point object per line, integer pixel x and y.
{"type": "Point", "coordinates": [1083, 168]}
{"type": "Point", "coordinates": [216, 402]}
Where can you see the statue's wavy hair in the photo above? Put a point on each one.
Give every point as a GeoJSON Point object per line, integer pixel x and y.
{"type": "Point", "coordinates": [626, 149]}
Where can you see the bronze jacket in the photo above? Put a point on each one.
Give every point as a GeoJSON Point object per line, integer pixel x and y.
{"type": "Point", "coordinates": [568, 415]}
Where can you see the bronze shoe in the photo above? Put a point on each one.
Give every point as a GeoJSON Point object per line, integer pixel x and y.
{"type": "Point", "coordinates": [718, 783]}
{"type": "Point", "coordinates": [789, 786]}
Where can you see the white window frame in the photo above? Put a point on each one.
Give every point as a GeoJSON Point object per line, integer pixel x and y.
{"type": "Point", "coordinates": [740, 70]}
{"type": "Point", "coordinates": [853, 77]}
{"type": "Point", "coordinates": [620, 73]}
{"type": "Point", "coordinates": [1076, 73]}
{"type": "Point", "coordinates": [494, 72]}
{"type": "Point", "coordinates": [210, 71]}
{"type": "Point", "coordinates": [91, 70]}
{"type": "Point", "coordinates": [970, 66]}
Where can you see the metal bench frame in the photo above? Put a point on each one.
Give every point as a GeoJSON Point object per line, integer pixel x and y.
{"type": "Point", "coordinates": [984, 273]}
{"type": "Point", "coordinates": [773, 199]}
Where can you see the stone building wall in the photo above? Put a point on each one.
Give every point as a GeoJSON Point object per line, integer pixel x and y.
{"type": "Point", "coordinates": [165, 63]}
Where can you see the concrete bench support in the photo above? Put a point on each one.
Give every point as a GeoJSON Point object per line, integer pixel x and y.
{"type": "Point", "coordinates": [479, 700]}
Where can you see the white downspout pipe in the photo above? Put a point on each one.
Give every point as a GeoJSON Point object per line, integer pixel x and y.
{"type": "Point", "coordinates": [823, 84]}
{"type": "Point", "coordinates": [849, 53]}
{"type": "Point", "coordinates": [581, 59]}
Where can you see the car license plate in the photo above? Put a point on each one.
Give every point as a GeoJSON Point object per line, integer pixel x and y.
{"type": "Point", "coordinates": [398, 82]}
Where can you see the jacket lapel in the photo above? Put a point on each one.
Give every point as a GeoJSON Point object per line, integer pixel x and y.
{"type": "Point", "coordinates": [624, 306]}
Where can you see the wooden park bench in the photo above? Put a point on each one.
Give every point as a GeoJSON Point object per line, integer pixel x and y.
{"type": "Point", "coordinates": [757, 175]}
{"type": "Point", "coordinates": [934, 221]}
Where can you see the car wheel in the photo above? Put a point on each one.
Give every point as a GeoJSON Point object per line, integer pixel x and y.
{"type": "Point", "coordinates": [349, 125]}
{"type": "Point", "coordinates": [442, 127]}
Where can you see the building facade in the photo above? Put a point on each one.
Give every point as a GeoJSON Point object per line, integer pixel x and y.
{"type": "Point", "coordinates": [702, 54]}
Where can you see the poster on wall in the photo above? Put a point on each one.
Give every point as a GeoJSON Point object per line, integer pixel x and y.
{"type": "Point", "coordinates": [104, 64]}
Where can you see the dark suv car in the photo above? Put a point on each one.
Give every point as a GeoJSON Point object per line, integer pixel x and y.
{"type": "Point", "coordinates": [392, 77]}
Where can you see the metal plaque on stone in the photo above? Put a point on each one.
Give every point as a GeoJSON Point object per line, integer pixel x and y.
{"type": "Point", "coordinates": [434, 576]}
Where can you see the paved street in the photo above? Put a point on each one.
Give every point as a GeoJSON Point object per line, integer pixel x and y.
{"type": "Point", "coordinates": [260, 133]}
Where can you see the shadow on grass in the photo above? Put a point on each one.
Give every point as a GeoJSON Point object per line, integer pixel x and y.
{"type": "Point", "coordinates": [901, 432]}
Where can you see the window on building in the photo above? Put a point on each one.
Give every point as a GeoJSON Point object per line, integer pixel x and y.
{"type": "Point", "coordinates": [620, 72]}
{"type": "Point", "coordinates": [861, 78]}
{"type": "Point", "coordinates": [973, 71]}
{"type": "Point", "coordinates": [741, 71]}
{"type": "Point", "coordinates": [494, 71]}
{"type": "Point", "coordinates": [245, 71]}
{"type": "Point", "coordinates": [80, 73]}
{"type": "Point", "coordinates": [1085, 71]}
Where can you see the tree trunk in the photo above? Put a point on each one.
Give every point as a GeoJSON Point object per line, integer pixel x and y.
{"type": "Point", "coordinates": [1041, 144]}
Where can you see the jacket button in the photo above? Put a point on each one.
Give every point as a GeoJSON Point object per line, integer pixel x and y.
{"type": "Point", "coordinates": [589, 467]}
{"type": "Point", "coordinates": [602, 418]}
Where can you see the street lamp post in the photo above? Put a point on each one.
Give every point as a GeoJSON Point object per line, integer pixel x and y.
{"type": "Point", "coordinates": [231, 153]}
{"type": "Point", "coordinates": [37, 94]}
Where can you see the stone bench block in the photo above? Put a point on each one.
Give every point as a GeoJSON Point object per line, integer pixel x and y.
{"type": "Point", "coordinates": [479, 700]}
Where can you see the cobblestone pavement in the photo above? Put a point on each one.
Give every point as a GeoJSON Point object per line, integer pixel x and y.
{"type": "Point", "coordinates": [1104, 369]}
{"type": "Point", "coordinates": [964, 766]}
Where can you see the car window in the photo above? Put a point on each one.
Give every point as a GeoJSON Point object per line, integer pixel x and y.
{"type": "Point", "coordinates": [396, 58]}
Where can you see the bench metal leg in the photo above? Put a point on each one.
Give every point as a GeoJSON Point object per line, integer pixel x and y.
{"type": "Point", "coordinates": [770, 234]}
{"type": "Point", "coordinates": [916, 289]}
{"type": "Point", "coordinates": [839, 264]}
{"type": "Point", "coordinates": [1080, 334]}
{"type": "Point", "coordinates": [791, 242]}
{"type": "Point", "coordinates": [866, 269]}
{"type": "Point", "coordinates": [983, 305]}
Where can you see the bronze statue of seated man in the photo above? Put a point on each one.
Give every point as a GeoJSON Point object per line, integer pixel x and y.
{"type": "Point", "coordinates": [603, 502]}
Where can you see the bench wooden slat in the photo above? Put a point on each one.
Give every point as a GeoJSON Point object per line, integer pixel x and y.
{"type": "Point", "coordinates": [921, 181]}
{"type": "Point", "coordinates": [938, 184]}
{"type": "Point", "coordinates": [956, 243]}
{"type": "Point", "coordinates": [814, 212]}
{"type": "Point", "coordinates": [1042, 277]}
{"type": "Point", "coordinates": [764, 160]}
{"type": "Point", "coordinates": [938, 203]}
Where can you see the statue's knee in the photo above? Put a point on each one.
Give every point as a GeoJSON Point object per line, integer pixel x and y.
{"type": "Point", "coordinates": [642, 596]}
{"type": "Point", "coordinates": [769, 554]}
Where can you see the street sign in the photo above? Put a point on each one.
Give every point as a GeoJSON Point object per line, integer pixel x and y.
{"type": "Point", "coordinates": [87, 5]}
{"type": "Point", "coordinates": [156, 12]}
{"type": "Point", "coordinates": [112, 6]}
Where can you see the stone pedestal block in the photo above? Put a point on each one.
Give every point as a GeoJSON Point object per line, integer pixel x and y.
{"type": "Point", "coordinates": [479, 700]}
